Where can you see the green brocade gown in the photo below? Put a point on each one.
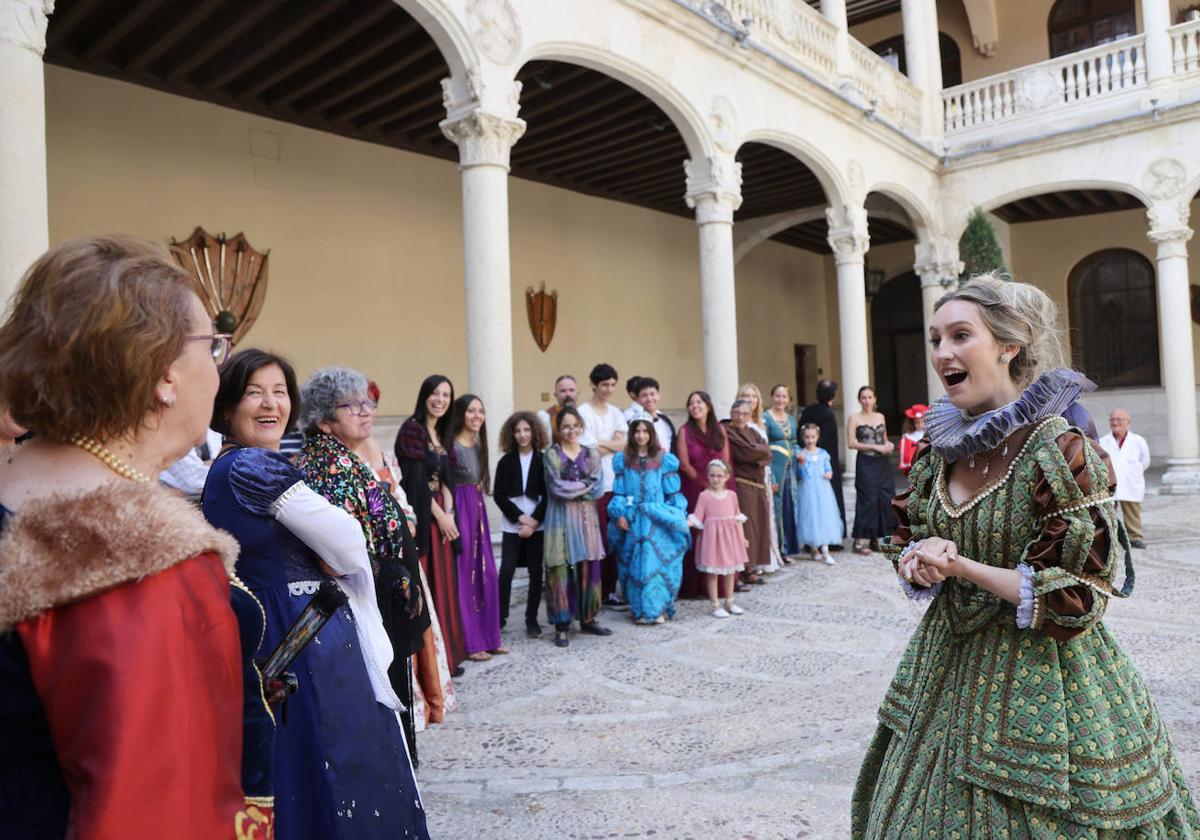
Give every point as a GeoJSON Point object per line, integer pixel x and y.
{"type": "Point", "coordinates": [993, 732]}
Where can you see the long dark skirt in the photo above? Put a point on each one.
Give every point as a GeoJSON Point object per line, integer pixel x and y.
{"type": "Point", "coordinates": [875, 486]}
{"type": "Point", "coordinates": [441, 568]}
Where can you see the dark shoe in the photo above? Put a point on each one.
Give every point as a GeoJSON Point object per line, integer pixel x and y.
{"type": "Point", "coordinates": [458, 672]}
{"type": "Point", "coordinates": [738, 586]}
{"type": "Point", "coordinates": [560, 638]}
{"type": "Point", "coordinates": [1137, 543]}
{"type": "Point", "coordinates": [533, 631]}
{"type": "Point", "coordinates": [594, 629]}
{"type": "Point", "coordinates": [614, 602]}
{"type": "Point", "coordinates": [503, 621]}
{"type": "Point", "coordinates": [837, 546]}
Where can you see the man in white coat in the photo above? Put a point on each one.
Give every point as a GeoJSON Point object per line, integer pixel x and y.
{"type": "Point", "coordinates": [1130, 456]}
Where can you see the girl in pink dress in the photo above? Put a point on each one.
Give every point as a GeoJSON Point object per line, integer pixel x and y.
{"type": "Point", "coordinates": [721, 543]}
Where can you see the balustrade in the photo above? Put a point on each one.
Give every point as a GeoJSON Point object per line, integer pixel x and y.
{"type": "Point", "coordinates": [1089, 74]}
{"type": "Point", "coordinates": [1185, 47]}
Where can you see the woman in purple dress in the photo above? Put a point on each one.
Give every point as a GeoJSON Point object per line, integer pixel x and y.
{"type": "Point", "coordinates": [700, 440]}
{"type": "Point", "coordinates": [478, 583]}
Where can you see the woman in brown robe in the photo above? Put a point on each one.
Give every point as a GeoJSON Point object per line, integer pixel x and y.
{"type": "Point", "coordinates": [750, 455]}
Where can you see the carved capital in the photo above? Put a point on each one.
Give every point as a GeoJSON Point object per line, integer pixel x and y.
{"type": "Point", "coordinates": [714, 188]}
{"type": "Point", "coordinates": [23, 23]}
{"type": "Point", "coordinates": [936, 262]}
{"type": "Point", "coordinates": [848, 236]}
{"type": "Point", "coordinates": [1169, 228]}
{"type": "Point", "coordinates": [483, 138]}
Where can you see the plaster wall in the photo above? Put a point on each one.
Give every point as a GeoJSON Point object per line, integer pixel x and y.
{"type": "Point", "coordinates": [366, 247]}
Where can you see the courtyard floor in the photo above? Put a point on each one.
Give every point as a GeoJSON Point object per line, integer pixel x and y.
{"type": "Point", "coordinates": [748, 727]}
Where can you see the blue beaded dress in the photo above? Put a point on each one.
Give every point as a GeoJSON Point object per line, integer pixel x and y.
{"type": "Point", "coordinates": [341, 767]}
{"type": "Point", "coordinates": [650, 554]}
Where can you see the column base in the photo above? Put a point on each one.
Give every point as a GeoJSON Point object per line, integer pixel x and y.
{"type": "Point", "coordinates": [1182, 477]}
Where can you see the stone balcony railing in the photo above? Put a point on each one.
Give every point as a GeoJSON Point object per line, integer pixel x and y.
{"type": "Point", "coordinates": [795, 32]}
{"type": "Point", "coordinates": [1031, 93]}
{"type": "Point", "coordinates": [1104, 83]}
{"type": "Point", "coordinates": [1185, 48]}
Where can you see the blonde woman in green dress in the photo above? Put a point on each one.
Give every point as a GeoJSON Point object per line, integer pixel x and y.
{"type": "Point", "coordinates": [1014, 713]}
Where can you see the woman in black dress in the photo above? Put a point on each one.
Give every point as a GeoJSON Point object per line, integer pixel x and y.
{"type": "Point", "coordinates": [874, 484]}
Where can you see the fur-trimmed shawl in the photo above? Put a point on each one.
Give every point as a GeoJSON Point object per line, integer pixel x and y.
{"type": "Point", "coordinates": [66, 548]}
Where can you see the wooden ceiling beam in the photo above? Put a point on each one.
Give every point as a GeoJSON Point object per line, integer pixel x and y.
{"type": "Point", "coordinates": [350, 67]}
{"type": "Point", "coordinates": [183, 28]}
{"type": "Point", "coordinates": [237, 27]}
{"type": "Point", "coordinates": [346, 92]}
{"type": "Point", "coordinates": [414, 104]}
{"type": "Point", "coordinates": [328, 44]}
{"type": "Point", "coordinates": [64, 21]}
{"type": "Point", "coordinates": [116, 33]}
{"type": "Point", "coordinates": [274, 43]}
{"type": "Point", "coordinates": [540, 121]}
{"type": "Point", "coordinates": [614, 121]}
{"type": "Point", "coordinates": [618, 156]}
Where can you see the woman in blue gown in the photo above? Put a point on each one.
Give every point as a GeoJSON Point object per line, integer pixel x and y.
{"type": "Point", "coordinates": [647, 525]}
{"type": "Point", "coordinates": [341, 766]}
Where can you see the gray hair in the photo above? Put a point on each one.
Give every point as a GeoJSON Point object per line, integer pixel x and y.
{"type": "Point", "coordinates": [328, 386]}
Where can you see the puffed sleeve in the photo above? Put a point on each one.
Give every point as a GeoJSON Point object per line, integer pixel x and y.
{"type": "Point", "coordinates": [142, 689]}
{"type": "Point", "coordinates": [618, 505]}
{"type": "Point", "coordinates": [906, 505]}
{"type": "Point", "coordinates": [672, 484]}
{"type": "Point", "coordinates": [1074, 558]}
{"type": "Point", "coordinates": [259, 477]}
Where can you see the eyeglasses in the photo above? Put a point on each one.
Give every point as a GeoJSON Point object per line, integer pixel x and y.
{"type": "Point", "coordinates": [570, 430]}
{"type": "Point", "coordinates": [359, 408]}
{"type": "Point", "coordinates": [221, 343]}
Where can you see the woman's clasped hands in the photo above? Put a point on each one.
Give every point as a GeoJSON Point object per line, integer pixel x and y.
{"type": "Point", "coordinates": [931, 561]}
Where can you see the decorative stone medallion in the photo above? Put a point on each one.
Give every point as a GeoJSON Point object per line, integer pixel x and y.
{"type": "Point", "coordinates": [1038, 88]}
{"type": "Point", "coordinates": [494, 29]}
{"type": "Point", "coordinates": [1164, 178]}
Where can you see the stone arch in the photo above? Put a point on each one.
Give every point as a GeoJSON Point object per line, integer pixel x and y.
{"type": "Point", "coordinates": [683, 115]}
{"type": "Point", "coordinates": [837, 191]}
{"type": "Point", "coordinates": [445, 27]}
{"type": "Point", "coordinates": [955, 225]}
{"type": "Point", "coordinates": [918, 214]}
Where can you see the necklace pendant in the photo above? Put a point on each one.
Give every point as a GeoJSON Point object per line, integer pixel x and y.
{"type": "Point", "coordinates": [986, 465]}
{"type": "Point", "coordinates": [971, 463]}
{"type": "Point", "coordinates": [1004, 453]}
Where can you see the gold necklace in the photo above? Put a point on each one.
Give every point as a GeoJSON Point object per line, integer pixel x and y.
{"type": "Point", "coordinates": [109, 459]}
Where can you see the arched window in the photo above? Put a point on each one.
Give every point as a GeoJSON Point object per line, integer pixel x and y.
{"type": "Point", "coordinates": [1078, 24]}
{"type": "Point", "coordinates": [892, 51]}
{"type": "Point", "coordinates": [1114, 318]}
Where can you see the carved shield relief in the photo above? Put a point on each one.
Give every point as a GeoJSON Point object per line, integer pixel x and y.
{"type": "Point", "coordinates": [229, 275]}
{"type": "Point", "coordinates": [542, 308]}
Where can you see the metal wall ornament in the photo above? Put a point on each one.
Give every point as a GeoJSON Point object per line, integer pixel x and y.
{"type": "Point", "coordinates": [229, 275]}
{"type": "Point", "coordinates": [542, 308]}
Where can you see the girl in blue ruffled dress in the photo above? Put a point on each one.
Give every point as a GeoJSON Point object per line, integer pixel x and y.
{"type": "Point", "coordinates": [818, 522]}
{"type": "Point", "coordinates": [647, 525]}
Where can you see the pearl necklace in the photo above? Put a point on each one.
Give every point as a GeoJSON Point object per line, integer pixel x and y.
{"type": "Point", "coordinates": [109, 459]}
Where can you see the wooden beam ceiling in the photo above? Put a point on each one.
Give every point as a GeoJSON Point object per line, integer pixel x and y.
{"type": "Point", "coordinates": [1065, 204]}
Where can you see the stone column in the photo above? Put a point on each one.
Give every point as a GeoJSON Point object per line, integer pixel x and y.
{"type": "Point", "coordinates": [835, 12]}
{"type": "Point", "coordinates": [1169, 231]}
{"type": "Point", "coordinates": [485, 134]}
{"type": "Point", "coordinates": [24, 208]}
{"type": "Point", "coordinates": [922, 57]}
{"type": "Point", "coordinates": [938, 266]}
{"type": "Point", "coordinates": [849, 240]}
{"type": "Point", "coordinates": [1156, 20]}
{"type": "Point", "coordinates": [714, 190]}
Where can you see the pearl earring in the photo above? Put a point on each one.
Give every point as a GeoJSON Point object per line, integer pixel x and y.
{"type": "Point", "coordinates": [169, 402]}
{"type": "Point", "coordinates": [1004, 358]}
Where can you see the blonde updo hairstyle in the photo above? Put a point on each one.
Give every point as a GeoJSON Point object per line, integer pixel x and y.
{"type": "Point", "coordinates": [1015, 313]}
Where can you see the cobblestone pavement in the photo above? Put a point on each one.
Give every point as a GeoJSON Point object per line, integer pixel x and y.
{"type": "Point", "coordinates": [746, 727]}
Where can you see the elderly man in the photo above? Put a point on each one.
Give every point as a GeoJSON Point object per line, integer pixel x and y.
{"type": "Point", "coordinates": [566, 392]}
{"type": "Point", "coordinates": [1130, 456]}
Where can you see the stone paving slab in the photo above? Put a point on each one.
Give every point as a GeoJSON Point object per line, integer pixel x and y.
{"type": "Point", "coordinates": [751, 727]}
